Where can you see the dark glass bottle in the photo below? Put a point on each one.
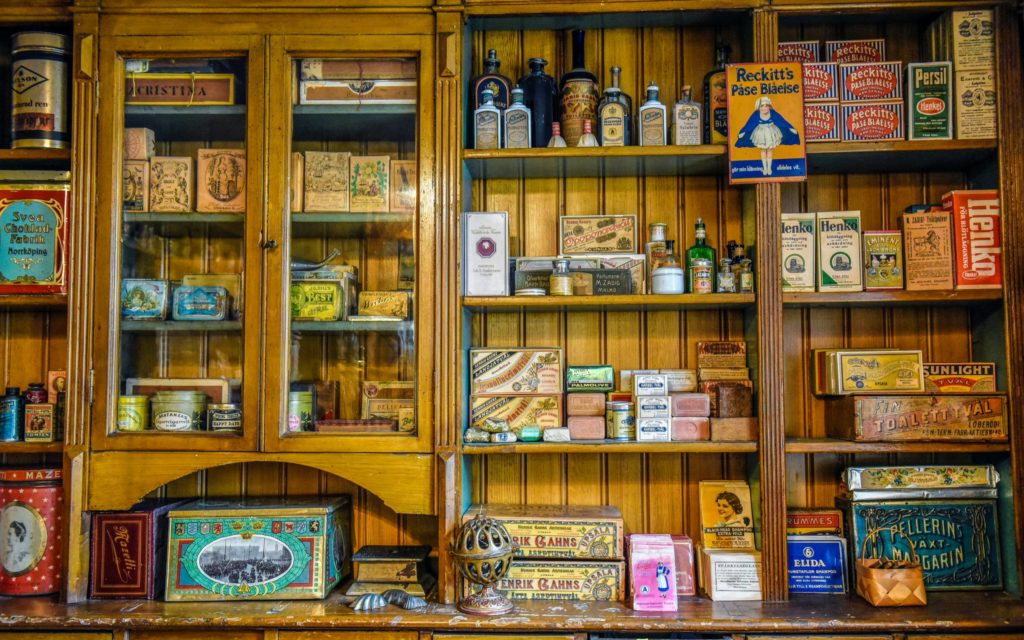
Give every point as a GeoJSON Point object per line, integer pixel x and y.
{"type": "Point", "coordinates": [490, 80]}
{"type": "Point", "coordinates": [580, 96]}
{"type": "Point", "coordinates": [540, 94]}
{"type": "Point", "coordinates": [615, 115]}
{"type": "Point", "coordinates": [716, 116]}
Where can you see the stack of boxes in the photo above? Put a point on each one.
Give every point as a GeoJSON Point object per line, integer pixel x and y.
{"type": "Point", "coordinates": [817, 551]}
{"type": "Point", "coordinates": [871, 96]}
{"type": "Point", "coordinates": [723, 375]}
{"type": "Point", "coordinates": [515, 394]}
{"type": "Point", "coordinates": [967, 38]}
{"type": "Point", "coordinates": [586, 387]}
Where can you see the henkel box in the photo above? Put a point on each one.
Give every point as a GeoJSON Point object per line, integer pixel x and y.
{"type": "Point", "coordinates": [821, 81]}
{"type": "Point", "coordinates": [975, 104]}
{"type": "Point", "coordinates": [928, 250]}
{"type": "Point", "coordinates": [870, 121]}
{"type": "Point", "coordinates": [822, 122]}
{"type": "Point", "coordinates": [839, 251]}
{"type": "Point", "coordinates": [977, 238]}
{"type": "Point", "coordinates": [870, 50]}
{"type": "Point", "coordinates": [805, 51]}
{"type": "Point", "coordinates": [871, 81]}
{"type": "Point", "coordinates": [929, 101]}
{"type": "Point", "coordinates": [798, 240]}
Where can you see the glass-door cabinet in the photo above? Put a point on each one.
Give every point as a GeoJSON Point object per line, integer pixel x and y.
{"type": "Point", "coordinates": [178, 230]}
{"type": "Point", "coordinates": [351, 227]}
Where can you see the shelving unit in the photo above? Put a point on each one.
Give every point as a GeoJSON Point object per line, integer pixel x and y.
{"type": "Point", "coordinates": [31, 447]}
{"type": "Point", "coordinates": [609, 446]}
{"type": "Point", "coordinates": [832, 446]}
{"type": "Point", "coordinates": [893, 298]}
{"type": "Point", "coordinates": [651, 302]}
{"type": "Point", "coordinates": [187, 326]}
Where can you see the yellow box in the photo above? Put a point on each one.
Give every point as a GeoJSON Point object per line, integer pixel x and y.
{"type": "Point", "coordinates": [520, 411]}
{"type": "Point", "coordinates": [393, 304]}
{"type": "Point", "coordinates": [561, 580]}
{"type": "Point", "coordinates": [559, 532]}
{"type": "Point", "coordinates": [316, 300]}
{"type": "Point", "coordinates": [873, 371]}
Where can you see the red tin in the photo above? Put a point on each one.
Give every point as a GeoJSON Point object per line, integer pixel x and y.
{"type": "Point", "coordinates": [31, 531]}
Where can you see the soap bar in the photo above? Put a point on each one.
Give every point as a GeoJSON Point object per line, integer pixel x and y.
{"type": "Point", "coordinates": [680, 380]}
{"type": "Point", "coordinates": [691, 405]}
{"type": "Point", "coordinates": [586, 427]}
{"type": "Point", "coordinates": [476, 435]}
{"type": "Point", "coordinates": [734, 429]}
{"type": "Point", "coordinates": [530, 433]}
{"type": "Point", "coordinates": [585, 404]}
{"type": "Point", "coordinates": [690, 429]}
{"type": "Point", "coordinates": [598, 377]}
{"type": "Point", "coordinates": [505, 437]}
{"type": "Point", "coordinates": [558, 434]}
{"type": "Point", "coordinates": [734, 401]}
{"type": "Point", "coordinates": [626, 377]}
{"type": "Point", "coordinates": [649, 385]}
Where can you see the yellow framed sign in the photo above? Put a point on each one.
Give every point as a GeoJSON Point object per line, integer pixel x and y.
{"type": "Point", "coordinates": [766, 122]}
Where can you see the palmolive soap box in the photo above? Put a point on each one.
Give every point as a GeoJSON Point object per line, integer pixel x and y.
{"type": "Point", "coordinates": [822, 122]}
{"type": "Point", "coordinates": [562, 532]}
{"type": "Point", "coordinates": [977, 238]}
{"type": "Point", "coordinates": [821, 81]}
{"type": "Point", "coordinates": [871, 81]}
{"type": "Point", "coordinates": [869, 121]}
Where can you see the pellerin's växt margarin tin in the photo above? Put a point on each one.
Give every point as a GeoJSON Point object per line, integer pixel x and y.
{"type": "Point", "coordinates": [39, 64]}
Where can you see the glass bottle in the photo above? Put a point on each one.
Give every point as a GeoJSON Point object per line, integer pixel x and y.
{"type": "Point", "coordinates": [686, 123]}
{"type": "Point", "coordinates": [746, 283]}
{"type": "Point", "coordinates": [671, 259]}
{"type": "Point", "coordinates": [726, 277]}
{"type": "Point", "coordinates": [655, 248]}
{"type": "Point", "coordinates": [578, 89]}
{"type": "Point", "coordinates": [716, 118]}
{"type": "Point", "coordinates": [700, 251]}
{"type": "Point", "coordinates": [491, 80]}
{"type": "Point", "coordinates": [668, 276]}
{"type": "Point", "coordinates": [560, 282]}
{"type": "Point", "coordinates": [556, 139]}
{"type": "Point", "coordinates": [487, 123]}
{"type": "Point", "coordinates": [652, 119]}
{"type": "Point", "coordinates": [588, 139]}
{"type": "Point", "coordinates": [615, 115]}
{"type": "Point", "coordinates": [517, 122]}
{"type": "Point", "coordinates": [540, 93]}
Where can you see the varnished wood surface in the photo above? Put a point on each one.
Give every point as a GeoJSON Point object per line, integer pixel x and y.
{"type": "Point", "coordinates": [894, 298]}
{"type": "Point", "coordinates": [609, 446]}
{"type": "Point", "coordinates": [633, 302]}
{"type": "Point", "coordinates": [827, 445]}
{"type": "Point", "coordinates": [34, 301]}
{"type": "Point", "coordinates": [964, 612]}
{"type": "Point", "coordinates": [31, 447]}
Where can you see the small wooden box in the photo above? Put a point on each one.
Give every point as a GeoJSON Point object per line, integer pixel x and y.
{"type": "Point", "coordinates": [920, 417]}
{"type": "Point", "coordinates": [734, 429]}
{"type": "Point", "coordinates": [369, 183]}
{"type": "Point", "coordinates": [170, 184]}
{"type": "Point", "coordinates": [326, 181]}
{"type": "Point", "coordinates": [220, 187]}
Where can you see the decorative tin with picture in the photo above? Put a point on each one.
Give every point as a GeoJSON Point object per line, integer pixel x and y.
{"type": "Point", "coordinates": [33, 232]}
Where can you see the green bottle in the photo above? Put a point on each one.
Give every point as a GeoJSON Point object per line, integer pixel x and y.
{"type": "Point", "coordinates": [700, 250]}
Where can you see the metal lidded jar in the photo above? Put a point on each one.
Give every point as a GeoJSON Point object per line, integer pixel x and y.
{"type": "Point", "coordinates": [178, 410]}
{"type": "Point", "coordinates": [300, 411]}
{"type": "Point", "coordinates": [702, 268]}
{"type": "Point", "coordinates": [560, 282]}
{"type": "Point", "coordinates": [133, 413]}
{"type": "Point", "coordinates": [619, 423]}
{"type": "Point", "coordinates": [39, 64]}
{"type": "Point", "coordinates": [224, 418]}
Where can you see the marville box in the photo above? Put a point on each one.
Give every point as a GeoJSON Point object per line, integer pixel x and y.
{"type": "Point", "coordinates": [956, 541]}
{"type": "Point", "coordinates": [129, 551]}
{"type": "Point", "coordinates": [485, 245]}
{"type": "Point", "coordinates": [798, 243]}
{"type": "Point", "coordinates": [597, 234]}
{"type": "Point", "coordinates": [537, 579]}
{"type": "Point", "coordinates": [922, 417]}
{"type": "Point", "coordinates": [566, 532]}
{"type": "Point", "coordinates": [515, 371]}
{"type": "Point", "coordinates": [170, 184]}
{"type": "Point", "coordinates": [392, 304]}
{"type": "Point", "coordinates": [259, 549]}
{"type": "Point", "coordinates": [220, 180]}
{"type": "Point", "coordinates": [928, 248]}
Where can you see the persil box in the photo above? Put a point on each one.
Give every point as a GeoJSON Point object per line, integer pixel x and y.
{"type": "Point", "coordinates": [821, 122]}
{"type": "Point", "coordinates": [805, 51]}
{"type": "Point", "coordinates": [871, 81]}
{"type": "Point", "coordinates": [872, 121]}
{"type": "Point", "coordinates": [855, 50]}
{"type": "Point", "coordinates": [821, 81]}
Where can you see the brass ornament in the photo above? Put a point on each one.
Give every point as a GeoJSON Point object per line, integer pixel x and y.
{"type": "Point", "coordinates": [483, 552]}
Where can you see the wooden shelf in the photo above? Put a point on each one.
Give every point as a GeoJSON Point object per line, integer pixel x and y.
{"type": "Point", "coordinates": [31, 447]}
{"type": "Point", "coordinates": [898, 156]}
{"type": "Point", "coordinates": [319, 122]}
{"type": "Point", "coordinates": [828, 445]}
{"type": "Point", "coordinates": [181, 326]}
{"type": "Point", "coordinates": [352, 225]}
{"type": "Point", "coordinates": [383, 326]}
{"type": "Point", "coordinates": [680, 302]}
{"type": "Point", "coordinates": [198, 122]}
{"type": "Point", "coordinates": [893, 298]}
{"type": "Point", "coordinates": [35, 158]}
{"type": "Point", "coordinates": [609, 446]}
{"type": "Point", "coordinates": [176, 225]}
{"type": "Point", "coordinates": [34, 301]}
{"type": "Point", "coordinates": [596, 161]}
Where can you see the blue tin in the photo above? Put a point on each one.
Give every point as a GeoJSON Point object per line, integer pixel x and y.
{"type": "Point", "coordinates": [12, 416]}
{"type": "Point", "coordinates": [143, 299]}
{"type": "Point", "coordinates": [200, 303]}
{"type": "Point", "coordinates": [957, 541]}
{"type": "Point", "coordinates": [817, 564]}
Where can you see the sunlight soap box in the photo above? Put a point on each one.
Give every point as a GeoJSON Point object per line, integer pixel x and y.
{"type": "Point", "coordinates": [839, 251]}
{"type": "Point", "coordinates": [258, 549]}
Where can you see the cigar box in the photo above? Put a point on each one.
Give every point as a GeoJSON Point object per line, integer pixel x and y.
{"type": "Point", "coordinates": [326, 181]}
{"type": "Point", "coordinates": [220, 184]}
{"type": "Point", "coordinates": [297, 184]}
{"type": "Point", "coordinates": [956, 541]}
{"type": "Point", "coordinates": [686, 579]}
{"type": "Point", "coordinates": [515, 371]}
{"type": "Point", "coordinates": [485, 242]}
{"type": "Point", "coordinates": [391, 304]}
{"type": "Point", "coordinates": [170, 184]}
{"type": "Point", "coordinates": [733, 401]}
{"type": "Point", "coordinates": [519, 411]}
{"type": "Point", "coordinates": [135, 185]}
{"type": "Point", "coordinates": [977, 238]}
{"type": "Point", "coordinates": [352, 70]}
{"type": "Point", "coordinates": [975, 103]}
{"type": "Point", "coordinates": [597, 234]}
{"type": "Point", "coordinates": [798, 244]}
{"type": "Point", "coordinates": [822, 122]}
{"type": "Point", "coordinates": [585, 404]}
{"type": "Point", "coordinates": [803, 51]}
{"type": "Point", "coordinates": [726, 516]}
{"type": "Point", "coordinates": [918, 417]}
{"type": "Point", "coordinates": [369, 180]}
{"type": "Point", "coordinates": [883, 260]}
{"type": "Point", "coordinates": [679, 380]}
{"type": "Point", "coordinates": [844, 51]}
{"type": "Point", "coordinates": [802, 522]}
{"type": "Point", "coordinates": [404, 186]}
{"type": "Point", "coordinates": [379, 568]}
{"type": "Point", "coordinates": [728, 575]}
{"type": "Point", "coordinates": [867, 121]}
{"type": "Point", "coordinates": [871, 81]}
{"type": "Point", "coordinates": [960, 377]}
{"type": "Point", "coordinates": [734, 429]}
{"type": "Point", "coordinates": [722, 354]}
{"type": "Point", "coordinates": [139, 143]}
{"type": "Point", "coordinates": [378, 92]}
{"type": "Point", "coordinates": [686, 429]}
{"type": "Point", "coordinates": [129, 551]}
{"type": "Point", "coordinates": [40, 425]}
{"type": "Point", "coordinates": [565, 532]}
{"type": "Point", "coordinates": [928, 248]}
{"type": "Point", "coordinates": [839, 251]}
{"type": "Point", "coordinates": [560, 580]}
{"type": "Point", "coordinates": [817, 564]}
{"type": "Point", "coordinates": [597, 377]}
{"type": "Point", "coordinates": [586, 427]}
{"type": "Point", "coordinates": [929, 101]}
{"type": "Point", "coordinates": [821, 82]}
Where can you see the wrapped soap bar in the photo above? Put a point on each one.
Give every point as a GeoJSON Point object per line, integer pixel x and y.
{"type": "Point", "coordinates": [691, 405]}
{"type": "Point", "coordinates": [557, 434]}
{"type": "Point", "coordinates": [598, 377]}
{"type": "Point", "coordinates": [586, 427]}
{"type": "Point", "coordinates": [652, 568]}
{"type": "Point", "coordinates": [653, 407]}
{"type": "Point", "coordinates": [585, 404]}
{"type": "Point", "coordinates": [679, 380]}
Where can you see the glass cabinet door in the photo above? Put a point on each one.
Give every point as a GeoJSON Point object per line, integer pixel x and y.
{"type": "Point", "coordinates": [350, 313]}
{"type": "Point", "coordinates": [181, 144]}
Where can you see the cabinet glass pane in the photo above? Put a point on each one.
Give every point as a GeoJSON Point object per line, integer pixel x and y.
{"type": "Point", "coordinates": [354, 186]}
{"type": "Point", "coordinates": [183, 221]}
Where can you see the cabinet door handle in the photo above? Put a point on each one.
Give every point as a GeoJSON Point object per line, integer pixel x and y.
{"type": "Point", "coordinates": [268, 244]}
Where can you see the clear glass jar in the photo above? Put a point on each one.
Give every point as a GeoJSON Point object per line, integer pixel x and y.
{"type": "Point", "coordinates": [560, 283]}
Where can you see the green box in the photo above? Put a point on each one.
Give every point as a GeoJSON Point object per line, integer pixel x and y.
{"type": "Point", "coordinates": [594, 378]}
{"type": "Point", "coordinates": [929, 101]}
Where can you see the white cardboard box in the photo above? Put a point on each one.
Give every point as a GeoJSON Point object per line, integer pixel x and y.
{"type": "Point", "coordinates": [485, 253]}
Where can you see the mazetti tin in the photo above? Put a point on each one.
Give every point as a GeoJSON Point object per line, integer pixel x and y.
{"type": "Point", "coordinates": [31, 531]}
{"type": "Point", "coordinates": [39, 64]}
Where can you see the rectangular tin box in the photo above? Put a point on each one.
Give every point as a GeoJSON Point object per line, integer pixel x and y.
{"type": "Point", "coordinates": [129, 551]}
{"type": "Point", "coordinates": [803, 51]}
{"type": "Point", "coordinates": [560, 580]}
{"type": "Point", "coordinates": [871, 81]}
{"type": "Point", "coordinates": [597, 234]}
{"type": "Point", "coordinates": [972, 476]}
{"type": "Point", "coordinates": [957, 541]}
{"type": "Point", "coordinates": [567, 532]}
{"type": "Point", "coordinates": [977, 238]}
{"type": "Point", "coordinates": [392, 304]}
{"type": "Point", "coordinates": [868, 121]}
{"type": "Point", "coordinates": [817, 564]}
{"type": "Point", "coordinates": [798, 245]}
{"type": "Point", "coordinates": [485, 247]}
{"type": "Point", "coordinates": [519, 411]}
{"type": "Point", "coordinates": [866, 50]}
{"type": "Point", "coordinates": [316, 300]}
{"type": "Point", "coordinates": [515, 371]}
{"type": "Point", "coordinates": [928, 249]}
{"type": "Point", "coordinates": [918, 418]}
{"type": "Point", "coordinates": [33, 237]}
{"type": "Point", "coordinates": [929, 101]}
{"type": "Point", "coordinates": [822, 122]}
{"type": "Point", "coordinates": [960, 377]}
{"type": "Point", "coordinates": [200, 303]}
{"type": "Point", "coordinates": [144, 299]}
{"type": "Point", "coordinates": [258, 549]}
{"type": "Point", "coordinates": [883, 260]}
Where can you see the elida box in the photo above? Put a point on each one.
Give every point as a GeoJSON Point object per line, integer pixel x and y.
{"type": "Point", "coordinates": [290, 549]}
{"type": "Point", "coordinates": [817, 564]}
{"type": "Point", "coordinates": [727, 575]}
{"type": "Point", "coordinates": [839, 251]}
{"type": "Point", "coordinates": [798, 240]}
{"type": "Point", "coordinates": [977, 238]}
{"type": "Point", "coordinates": [567, 532]}
{"type": "Point", "coordinates": [485, 254]}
